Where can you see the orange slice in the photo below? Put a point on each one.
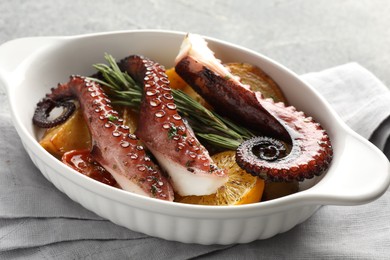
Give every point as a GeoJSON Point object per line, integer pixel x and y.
{"type": "Point", "coordinates": [241, 187]}
{"type": "Point", "coordinates": [71, 135]}
{"type": "Point", "coordinates": [176, 82]}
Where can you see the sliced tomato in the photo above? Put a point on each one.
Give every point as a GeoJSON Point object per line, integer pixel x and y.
{"type": "Point", "coordinates": [81, 161]}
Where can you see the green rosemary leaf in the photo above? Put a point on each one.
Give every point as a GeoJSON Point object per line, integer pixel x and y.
{"type": "Point", "coordinates": [117, 72]}
{"type": "Point", "coordinates": [220, 141]}
{"type": "Point", "coordinates": [207, 125]}
{"type": "Point", "coordinates": [241, 131]}
{"type": "Point", "coordinates": [101, 82]}
{"type": "Point", "coordinates": [131, 103]}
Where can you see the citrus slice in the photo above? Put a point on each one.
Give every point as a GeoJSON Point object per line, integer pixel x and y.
{"type": "Point", "coordinates": [258, 80]}
{"type": "Point", "coordinates": [71, 135]}
{"type": "Point", "coordinates": [241, 187]}
{"type": "Point", "coordinates": [176, 82]}
{"type": "Point", "coordinates": [130, 119]}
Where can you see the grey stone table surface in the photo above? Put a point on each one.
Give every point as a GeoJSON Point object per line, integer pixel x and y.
{"type": "Point", "coordinates": [304, 35]}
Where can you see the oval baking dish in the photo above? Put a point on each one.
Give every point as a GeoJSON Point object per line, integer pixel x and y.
{"type": "Point", "coordinates": [29, 67]}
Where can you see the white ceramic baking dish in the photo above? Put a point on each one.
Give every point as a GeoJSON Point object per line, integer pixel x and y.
{"type": "Point", "coordinates": [29, 67]}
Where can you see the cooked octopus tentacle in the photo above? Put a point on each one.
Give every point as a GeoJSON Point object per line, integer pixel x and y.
{"type": "Point", "coordinates": [114, 147]}
{"type": "Point", "coordinates": [261, 148]}
{"type": "Point", "coordinates": [45, 106]}
{"type": "Point", "coordinates": [311, 151]}
{"type": "Point", "coordinates": [167, 136]}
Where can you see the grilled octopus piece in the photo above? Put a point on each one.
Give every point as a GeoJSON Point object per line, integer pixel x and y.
{"type": "Point", "coordinates": [45, 106]}
{"type": "Point", "coordinates": [114, 147]}
{"type": "Point", "coordinates": [311, 151]}
{"type": "Point", "coordinates": [167, 135]}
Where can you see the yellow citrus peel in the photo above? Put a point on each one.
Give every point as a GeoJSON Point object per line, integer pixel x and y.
{"type": "Point", "coordinates": [241, 187]}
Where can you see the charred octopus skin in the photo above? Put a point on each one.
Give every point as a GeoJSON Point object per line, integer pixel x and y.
{"type": "Point", "coordinates": [114, 147]}
{"type": "Point", "coordinates": [45, 106]}
{"type": "Point", "coordinates": [166, 134]}
{"type": "Point", "coordinates": [311, 151]}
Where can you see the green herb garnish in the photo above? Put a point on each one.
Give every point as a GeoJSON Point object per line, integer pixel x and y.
{"type": "Point", "coordinates": [112, 118]}
{"type": "Point", "coordinates": [154, 190]}
{"type": "Point", "coordinates": [172, 131]}
{"type": "Point", "coordinates": [207, 125]}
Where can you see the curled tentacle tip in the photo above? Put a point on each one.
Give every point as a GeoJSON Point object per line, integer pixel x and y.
{"type": "Point", "coordinates": [252, 154]}
{"type": "Point", "coordinates": [45, 106]}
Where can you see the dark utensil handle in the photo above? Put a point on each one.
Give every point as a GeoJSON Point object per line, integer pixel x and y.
{"type": "Point", "coordinates": [381, 135]}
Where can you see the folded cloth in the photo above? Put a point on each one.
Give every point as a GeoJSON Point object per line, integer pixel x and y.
{"type": "Point", "coordinates": [39, 222]}
{"type": "Point", "coordinates": [356, 94]}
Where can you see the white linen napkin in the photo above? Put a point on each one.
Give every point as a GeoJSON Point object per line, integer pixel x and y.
{"type": "Point", "coordinates": [39, 222]}
{"type": "Point", "coordinates": [361, 100]}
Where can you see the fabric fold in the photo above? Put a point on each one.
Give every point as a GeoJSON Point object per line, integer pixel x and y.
{"type": "Point", "coordinates": [39, 222]}
{"type": "Point", "coordinates": [359, 97]}
{"type": "Point", "coordinates": [21, 233]}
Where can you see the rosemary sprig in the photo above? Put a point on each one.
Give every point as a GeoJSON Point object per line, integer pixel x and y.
{"type": "Point", "coordinates": [207, 125]}
{"type": "Point", "coordinates": [220, 141]}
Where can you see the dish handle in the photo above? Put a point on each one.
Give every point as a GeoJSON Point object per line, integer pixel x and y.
{"type": "Point", "coordinates": [361, 175]}
{"type": "Point", "coordinates": [12, 53]}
